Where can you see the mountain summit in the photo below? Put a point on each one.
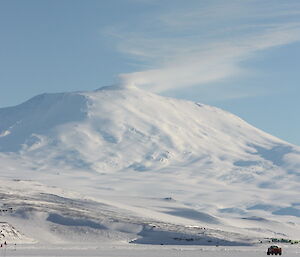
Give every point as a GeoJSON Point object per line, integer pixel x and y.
{"type": "Point", "coordinates": [118, 128]}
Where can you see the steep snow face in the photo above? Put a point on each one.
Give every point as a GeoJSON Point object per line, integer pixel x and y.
{"type": "Point", "coordinates": [119, 128]}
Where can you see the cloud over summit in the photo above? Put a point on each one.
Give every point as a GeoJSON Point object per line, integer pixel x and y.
{"type": "Point", "coordinates": [205, 42]}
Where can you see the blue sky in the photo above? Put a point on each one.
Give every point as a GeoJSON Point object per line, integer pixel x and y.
{"type": "Point", "coordinates": [242, 56]}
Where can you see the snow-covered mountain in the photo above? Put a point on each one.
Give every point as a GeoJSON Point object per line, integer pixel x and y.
{"type": "Point", "coordinates": [128, 147]}
{"type": "Point", "coordinates": [114, 129]}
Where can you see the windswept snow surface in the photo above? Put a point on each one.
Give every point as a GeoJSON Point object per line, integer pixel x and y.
{"type": "Point", "coordinates": [146, 251]}
{"type": "Point", "coordinates": [124, 165]}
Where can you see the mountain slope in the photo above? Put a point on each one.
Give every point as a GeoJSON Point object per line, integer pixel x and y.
{"type": "Point", "coordinates": [118, 128]}
{"type": "Point", "coordinates": [129, 147]}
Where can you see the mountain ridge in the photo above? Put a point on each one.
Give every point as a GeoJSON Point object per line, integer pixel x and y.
{"type": "Point", "coordinates": [111, 115]}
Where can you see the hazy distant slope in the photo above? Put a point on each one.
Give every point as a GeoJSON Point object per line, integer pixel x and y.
{"type": "Point", "coordinates": [38, 116]}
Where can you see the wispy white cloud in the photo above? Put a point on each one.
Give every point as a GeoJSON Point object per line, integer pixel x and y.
{"type": "Point", "coordinates": [205, 42]}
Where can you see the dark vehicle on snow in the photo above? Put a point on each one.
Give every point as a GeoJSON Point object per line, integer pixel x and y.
{"type": "Point", "coordinates": [274, 249]}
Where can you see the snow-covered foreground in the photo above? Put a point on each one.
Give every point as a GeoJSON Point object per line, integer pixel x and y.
{"type": "Point", "coordinates": [36, 215]}
{"type": "Point", "coordinates": [143, 251]}
{"type": "Point", "coordinates": [51, 215]}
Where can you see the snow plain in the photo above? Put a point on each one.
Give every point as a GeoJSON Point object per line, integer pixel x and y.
{"type": "Point", "coordinates": [124, 172]}
{"type": "Point", "coordinates": [145, 251]}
